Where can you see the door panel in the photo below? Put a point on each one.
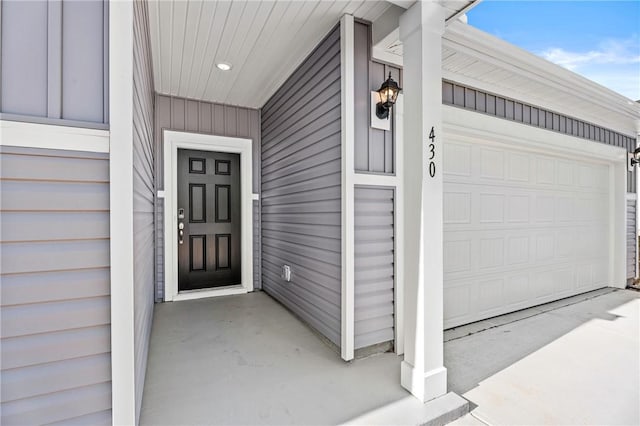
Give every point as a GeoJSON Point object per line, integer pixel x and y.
{"type": "Point", "coordinates": [209, 212]}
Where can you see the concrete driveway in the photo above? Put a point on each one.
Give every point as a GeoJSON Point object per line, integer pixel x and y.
{"type": "Point", "coordinates": [575, 361]}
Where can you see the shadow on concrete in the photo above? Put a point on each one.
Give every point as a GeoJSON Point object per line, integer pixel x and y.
{"type": "Point", "coordinates": [477, 351]}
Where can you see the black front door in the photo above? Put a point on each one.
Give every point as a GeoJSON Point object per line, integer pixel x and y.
{"type": "Point", "coordinates": [208, 219]}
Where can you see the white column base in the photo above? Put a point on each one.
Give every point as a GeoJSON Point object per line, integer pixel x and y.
{"type": "Point", "coordinates": [425, 387]}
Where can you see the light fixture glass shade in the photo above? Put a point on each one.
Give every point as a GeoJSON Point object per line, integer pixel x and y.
{"type": "Point", "coordinates": [388, 93]}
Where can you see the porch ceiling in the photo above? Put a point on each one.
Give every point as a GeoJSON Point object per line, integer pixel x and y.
{"type": "Point", "coordinates": [264, 41]}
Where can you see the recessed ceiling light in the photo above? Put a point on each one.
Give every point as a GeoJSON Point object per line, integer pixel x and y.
{"type": "Point", "coordinates": [224, 66]}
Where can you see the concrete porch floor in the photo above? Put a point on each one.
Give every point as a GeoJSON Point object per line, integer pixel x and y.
{"type": "Point", "coordinates": [247, 360]}
{"type": "Point", "coordinates": [571, 362]}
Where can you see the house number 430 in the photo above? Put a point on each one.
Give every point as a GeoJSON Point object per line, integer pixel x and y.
{"type": "Point", "coordinates": [432, 153]}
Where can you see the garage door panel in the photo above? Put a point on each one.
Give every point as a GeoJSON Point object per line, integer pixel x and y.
{"type": "Point", "coordinates": [565, 211]}
{"type": "Point", "coordinates": [491, 294]}
{"type": "Point", "coordinates": [545, 208]}
{"type": "Point", "coordinates": [546, 284]}
{"type": "Point", "coordinates": [565, 173]}
{"type": "Point", "coordinates": [545, 171]}
{"type": "Point", "coordinates": [516, 292]}
{"type": "Point", "coordinates": [506, 167]}
{"type": "Point", "coordinates": [479, 252]}
{"type": "Point", "coordinates": [491, 253]}
{"type": "Point", "coordinates": [457, 256]}
{"type": "Point", "coordinates": [545, 247]}
{"type": "Point", "coordinates": [518, 208]}
{"type": "Point", "coordinates": [521, 229]}
{"type": "Point", "coordinates": [473, 300]}
{"type": "Point", "coordinates": [492, 164]}
{"type": "Point", "coordinates": [457, 159]}
{"type": "Point", "coordinates": [470, 300]}
{"type": "Point", "coordinates": [518, 250]}
{"type": "Point", "coordinates": [457, 303]}
{"type": "Point", "coordinates": [584, 278]}
{"type": "Point", "coordinates": [492, 206]}
{"type": "Point", "coordinates": [565, 243]}
{"type": "Point", "coordinates": [518, 168]}
{"type": "Point", "coordinates": [468, 205]}
{"type": "Point", "coordinates": [457, 207]}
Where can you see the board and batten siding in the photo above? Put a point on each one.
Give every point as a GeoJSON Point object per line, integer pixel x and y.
{"type": "Point", "coordinates": [54, 62]}
{"type": "Point", "coordinates": [301, 190]}
{"type": "Point", "coordinates": [143, 195]}
{"type": "Point", "coordinates": [632, 239]}
{"type": "Point", "coordinates": [374, 273]}
{"type": "Point", "coordinates": [55, 293]}
{"type": "Point", "coordinates": [179, 114]}
{"type": "Point", "coordinates": [374, 150]}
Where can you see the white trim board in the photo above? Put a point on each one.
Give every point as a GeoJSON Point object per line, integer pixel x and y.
{"type": "Point", "coordinates": [174, 140]}
{"type": "Point", "coordinates": [398, 114]}
{"type": "Point", "coordinates": [48, 136]}
{"type": "Point", "coordinates": [347, 65]}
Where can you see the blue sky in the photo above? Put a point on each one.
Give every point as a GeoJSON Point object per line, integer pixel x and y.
{"type": "Point", "coordinates": [597, 39]}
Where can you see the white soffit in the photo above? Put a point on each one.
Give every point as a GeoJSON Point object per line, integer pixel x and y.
{"type": "Point", "coordinates": [263, 41]}
{"type": "Point", "coordinates": [477, 59]}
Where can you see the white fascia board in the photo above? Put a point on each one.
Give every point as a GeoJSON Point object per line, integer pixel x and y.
{"type": "Point", "coordinates": [485, 47]}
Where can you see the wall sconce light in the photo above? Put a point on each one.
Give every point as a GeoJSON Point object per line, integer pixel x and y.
{"type": "Point", "coordinates": [634, 158]}
{"type": "Point", "coordinates": [388, 93]}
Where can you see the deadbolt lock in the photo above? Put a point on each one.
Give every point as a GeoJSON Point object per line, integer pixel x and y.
{"type": "Point", "coordinates": [180, 226]}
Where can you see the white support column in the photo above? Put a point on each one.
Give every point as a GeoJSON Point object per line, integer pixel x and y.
{"type": "Point", "coordinates": [121, 218]}
{"type": "Point", "coordinates": [422, 371]}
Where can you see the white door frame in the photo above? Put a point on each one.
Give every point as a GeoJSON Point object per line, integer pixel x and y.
{"type": "Point", "coordinates": [184, 140]}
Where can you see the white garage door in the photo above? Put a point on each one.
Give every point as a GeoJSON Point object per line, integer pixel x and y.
{"type": "Point", "coordinates": [521, 229]}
